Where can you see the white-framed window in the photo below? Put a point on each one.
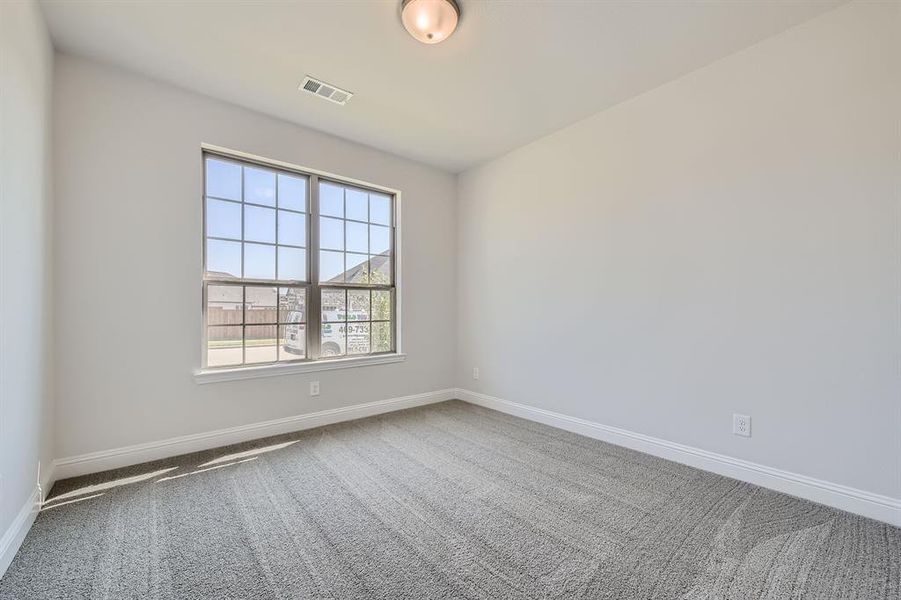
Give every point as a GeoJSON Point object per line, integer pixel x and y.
{"type": "Point", "coordinates": [299, 267]}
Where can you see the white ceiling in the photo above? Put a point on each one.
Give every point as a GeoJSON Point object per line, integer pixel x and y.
{"type": "Point", "coordinates": [512, 72]}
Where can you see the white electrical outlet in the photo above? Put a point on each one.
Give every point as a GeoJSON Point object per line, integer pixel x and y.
{"type": "Point", "coordinates": [475, 372]}
{"type": "Point", "coordinates": [314, 388]}
{"type": "Point", "coordinates": [741, 425]}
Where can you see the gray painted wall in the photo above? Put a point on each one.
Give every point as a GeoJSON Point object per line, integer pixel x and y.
{"type": "Point", "coordinates": [728, 242]}
{"type": "Point", "coordinates": [128, 192]}
{"type": "Point", "coordinates": [26, 371]}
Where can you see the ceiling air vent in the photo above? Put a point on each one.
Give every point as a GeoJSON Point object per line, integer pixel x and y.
{"type": "Point", "coordinates": [325, 90]}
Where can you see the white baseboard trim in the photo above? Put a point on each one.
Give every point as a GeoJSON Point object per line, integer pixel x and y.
{"type": "Point", "coordinates": [875, 506]}
{"type": "Point", "coordinates": [13, 536]}
{"type": "Point", "coordinates": [139, 453]}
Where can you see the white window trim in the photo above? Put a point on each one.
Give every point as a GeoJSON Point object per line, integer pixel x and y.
{"type": "Point", "coordinates": [202, 376]}
{"type": "Point", "coordinates": [216, 374]}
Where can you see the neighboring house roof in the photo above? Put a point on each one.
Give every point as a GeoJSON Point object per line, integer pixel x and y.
{"type": "Point", "coordinates": [353, 274]}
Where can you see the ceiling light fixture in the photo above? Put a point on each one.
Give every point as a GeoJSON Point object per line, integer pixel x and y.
{"type": "Point", "coordinates": [430, 21]}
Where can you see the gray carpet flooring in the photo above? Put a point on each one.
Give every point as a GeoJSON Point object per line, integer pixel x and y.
{"type": "Point", "coordinates": [443, 501]}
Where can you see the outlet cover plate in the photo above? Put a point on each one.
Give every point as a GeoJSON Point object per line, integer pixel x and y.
{"type": "Point", "coordinates": [741, 425]}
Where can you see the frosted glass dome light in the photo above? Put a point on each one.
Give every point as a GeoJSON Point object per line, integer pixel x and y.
{"type": "Point", "coordinates": [430, 21]}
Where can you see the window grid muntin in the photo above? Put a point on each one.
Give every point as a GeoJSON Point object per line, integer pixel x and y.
{"type": "Point", "coordinates": [276, 207]}
{"type": "Point", "coordinates": [370, 255]}
{"type": "Point", "coordinates": [346, 290]}
{"type": "Point", "coordinates": [278, 323]}
{"type": "Point", "coordinates": [223, 239]}
{"type": "Point", "coordinates": [313, 288]}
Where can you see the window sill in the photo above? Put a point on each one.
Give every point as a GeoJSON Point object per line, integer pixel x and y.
{"type": "Point", "coordinates": [215, 375]}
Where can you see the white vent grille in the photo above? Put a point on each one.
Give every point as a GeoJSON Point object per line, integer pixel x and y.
{"type": "Point", "coordinates": [325, 90]}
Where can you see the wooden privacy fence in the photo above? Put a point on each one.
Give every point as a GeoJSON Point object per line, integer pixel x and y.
{"type": "Point", "coordinates": [261, 322]}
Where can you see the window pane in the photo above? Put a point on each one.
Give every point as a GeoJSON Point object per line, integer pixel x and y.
{"type": "Point", "coordinates": [357, 237]}
{"type": "Point", "coordinates": [261, 304]}
{"type": "Point", "coordinates": [224, 305]}
{"type": "Point", "coordinates": [381, 337]}
{"type": "Point", "coordinates": [292, 305]}
{"type": "Point", "coordinates": [380, 209]}
{"type": "Point", "coordinates": [292, 228]}
{"type": "Point", "coordinates": [259, 261]}
{"type": "Point", "coordinates": [259, 186]}
{"type": "Point", "coordinates": [334, 306]}
{"type": "Point", "coordinates": [357, 205]}
{"type": "Point", "coordinates": [292, 264]}
{"type": "Point", "coordinates": [380, 269]}
{"type": "Point", "coordinates": [223, 346]}
{"type": "Point", "coordinates": [292, 192]}
{"type": "Point", "coordinates": [331, 233]}
{"type": "Point", "coordinates": [223, 219]}
{"type": "Point", "coordinates": [333, 342]}
{"type": "Point", "coordinates": [379, 239]}
{"type": "Point", "coordinates": [331, 266]}
{"type": "Point", "coordinates": [331, 199]}
{"type": "Point", "coordinates": [292, 342]}
{"type": "Point", "coordinates": [223, 258]}
{"type": "Point", "coordinates": [260, 344]}
{"type": "Point", "coordinates": [357, 268]}
{"type": "Point", "coordinates": [357, 305]}
{"type": "Point", "coordinates": [358, 338]}
{"type": "Point", "coordinates": [259, 224]}
{"type": "Point", "coordinates": [223, 179]}
{"type": "Point", "coordinates": [381, 305]}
